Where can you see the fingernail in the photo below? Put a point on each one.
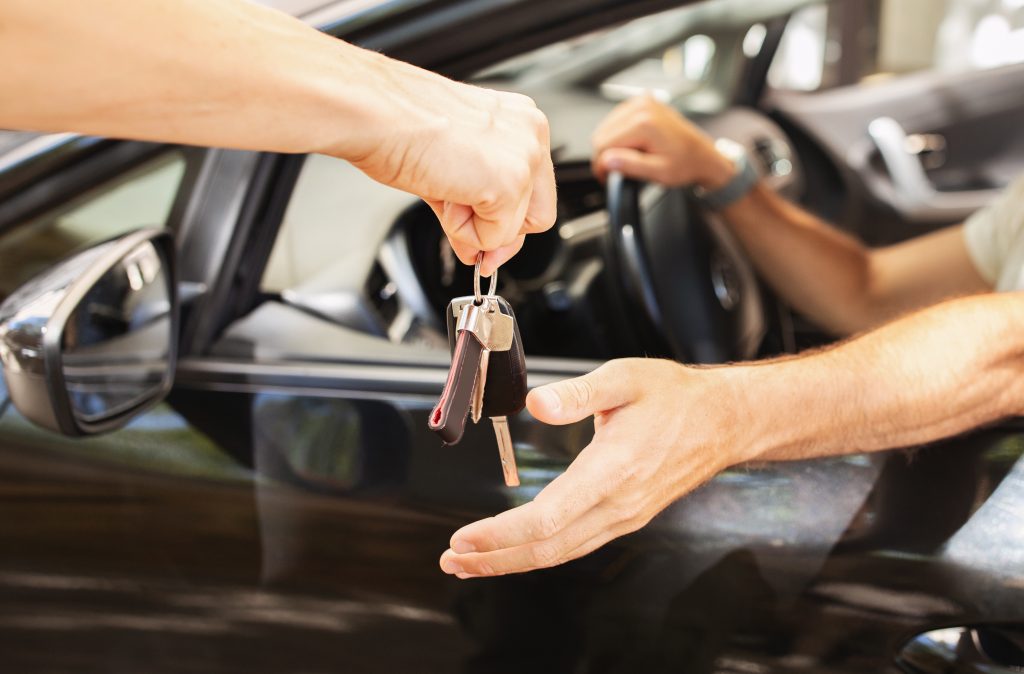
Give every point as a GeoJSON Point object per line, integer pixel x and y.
{"type": "Point", "coordinates": [549, 399]}
{"type": "Point", "coordinates": [452, 567]}
{"type": "Point", "coordinates": [613, 163]}
{"type": "Point", "coordinates": [464, 576]}
{"type": "Point", "coordinates": [462, 547]}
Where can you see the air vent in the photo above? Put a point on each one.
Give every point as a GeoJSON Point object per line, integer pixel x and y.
{"type": "Point", "coordinates": [776, 159]}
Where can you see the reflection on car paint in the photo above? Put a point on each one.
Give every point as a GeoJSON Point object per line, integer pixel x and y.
{"type": "Point", "coordinates": [160, 440]}
{"type": "Point", "coordinates": [999, 518]}
{"type": "Point", "coordinates": [320, 550]}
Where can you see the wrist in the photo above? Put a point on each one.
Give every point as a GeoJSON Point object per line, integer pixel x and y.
{"type": "Point", "coordinates": [368, 105]}
{"type": "Point", "coordinates": [778, 409]}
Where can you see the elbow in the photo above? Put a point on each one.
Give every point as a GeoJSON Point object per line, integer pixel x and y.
{"type": "Point", "coordinates": [862, 304]}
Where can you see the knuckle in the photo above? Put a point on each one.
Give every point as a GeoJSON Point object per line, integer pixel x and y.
{"type": "Point", "coordinates": [636, 522]}
{"type": "Point", "coordinates": [534, 154]}
{"type": "Point", "coordinates": [490, 196]}
{"type": "Point", "coordinates": [543, 555]}
{"type": "Point", "coordinates": [524, 100]}
{"type": "Point", "coordinates": [581, 392]}
{"type": "Point", "coordinates": [484, 568]}
{"type": "Point", "coordinates": [622, 513]}
{"type": "Point", "coordinates": [616, 370]}
{"type": "Point", "coordinates": [629, 475]}
{"type": "Point", "coordinates": [539, 121]}
{"type": "Point", "coordinates": [548, 525]}
{"type": "Point", "coordinates": [518, 174]}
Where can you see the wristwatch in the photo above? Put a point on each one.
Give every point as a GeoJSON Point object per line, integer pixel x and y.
{"type": "Point", "coordinates": [740, 184]}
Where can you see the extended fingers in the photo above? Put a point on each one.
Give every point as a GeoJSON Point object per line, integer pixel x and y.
{"type": "Point", "coordinates": [589, 532]}
{"type": "Point", "coordinates": [558, 505]}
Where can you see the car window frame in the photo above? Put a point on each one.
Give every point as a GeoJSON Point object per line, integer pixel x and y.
{"type": "Point", "coordinates": [76, 170]}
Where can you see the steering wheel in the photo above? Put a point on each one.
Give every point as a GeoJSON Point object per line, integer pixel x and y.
{"type": "Point", "coordinates": [683, 281]}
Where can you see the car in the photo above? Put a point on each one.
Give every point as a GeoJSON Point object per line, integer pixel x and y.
{"type": "Point", "coordinates": [219, 366]}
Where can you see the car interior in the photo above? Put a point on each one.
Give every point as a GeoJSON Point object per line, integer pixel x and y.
{"type": "Point", "coordinates": [364, 270]}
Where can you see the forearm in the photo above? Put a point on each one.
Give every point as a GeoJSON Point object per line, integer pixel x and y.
{"type": "Point", "coordinates": [821, 271]}
{"type": "Point", "coordinates": [204, 72]}
{"type": "Point", "coordinates": [941, 371]}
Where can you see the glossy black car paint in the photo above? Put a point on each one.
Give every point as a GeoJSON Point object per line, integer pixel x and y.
{"type": "Point", "coordinates": [327, 560]}
{"type": "Point", "coordinates": [276, 517]}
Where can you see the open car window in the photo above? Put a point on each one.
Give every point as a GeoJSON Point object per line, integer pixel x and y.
{"type": "Point", "coordinates": [369, 264]}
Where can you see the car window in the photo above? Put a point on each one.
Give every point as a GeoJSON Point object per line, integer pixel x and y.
{"type": "Point", "coordinates": [354, 254]}
{"type": "Point", "coordinates": [844, 42]}
{"type": "Point", "coordinates": [141, 197]}
{"type": "Point", "coordinates": [675, 72]}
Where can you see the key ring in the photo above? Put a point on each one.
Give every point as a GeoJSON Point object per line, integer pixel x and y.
{"type": "Point", "coordinates": [477, 297]}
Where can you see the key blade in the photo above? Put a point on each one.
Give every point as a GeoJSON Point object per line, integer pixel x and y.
{"type": "Point", "coordinates": [505, 451]}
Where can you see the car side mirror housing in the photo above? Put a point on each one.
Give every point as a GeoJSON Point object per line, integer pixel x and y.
{"type": "Point", "coordinates": [90, 343]}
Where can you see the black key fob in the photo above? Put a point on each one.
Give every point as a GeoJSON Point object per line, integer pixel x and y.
{"type": "Point", "coordinates": [506, 374]}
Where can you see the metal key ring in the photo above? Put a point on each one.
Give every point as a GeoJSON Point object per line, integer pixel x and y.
{"type": "Point", "coordinates": [477, 297]}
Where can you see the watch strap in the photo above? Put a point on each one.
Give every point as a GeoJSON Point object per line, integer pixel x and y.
{"type": "Point", "coordinates": [734, 190]}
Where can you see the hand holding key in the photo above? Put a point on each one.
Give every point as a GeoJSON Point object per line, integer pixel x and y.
{"type": "Point", "coordinates": [661, 430]}
{"type": "Point", "coordinates": [488, 371]}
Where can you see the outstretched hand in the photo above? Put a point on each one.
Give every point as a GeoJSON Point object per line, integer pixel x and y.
{"type": "Point", "coordinates": [661, 429]}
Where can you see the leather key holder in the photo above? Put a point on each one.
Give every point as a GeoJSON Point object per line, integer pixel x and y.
{"type": "Point", "coordinates": [449, 416]}
{"type": "Point", "coordinates": [506, 375]}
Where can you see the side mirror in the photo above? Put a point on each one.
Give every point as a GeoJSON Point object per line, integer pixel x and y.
{"type": "Point", "coordinates": [91, 342]}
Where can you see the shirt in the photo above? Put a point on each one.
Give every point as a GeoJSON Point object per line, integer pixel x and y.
{"type": "Point", "coordinates": [995, 239]}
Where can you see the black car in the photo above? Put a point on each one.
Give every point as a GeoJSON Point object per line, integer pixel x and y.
{"type": "Point", "coordinates": [214, 454]}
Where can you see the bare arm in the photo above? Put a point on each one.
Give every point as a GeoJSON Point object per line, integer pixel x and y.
{"type": "Point", "coordinates": [231, 73]}
{"type": "Point", "coordinates": [929, 375]}
{"type": "Point", "coordinates": [838, 282]}
{"type": "Point", "coordinates": [824, 273]}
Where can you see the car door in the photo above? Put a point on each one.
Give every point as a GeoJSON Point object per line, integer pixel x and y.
{"type": "Point", "coordinates": [907, 111]}
{"type": "Point", "coordinates": [177, 544]}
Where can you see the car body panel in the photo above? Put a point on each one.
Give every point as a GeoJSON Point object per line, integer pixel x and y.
{"type": "Point", "coordinates": [322, 553]}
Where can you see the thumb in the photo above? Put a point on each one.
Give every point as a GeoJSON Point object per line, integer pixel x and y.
{"type": "Point", "coordinates": [635, 164]}
{"type": "Point", "coordinates": [569, 401]}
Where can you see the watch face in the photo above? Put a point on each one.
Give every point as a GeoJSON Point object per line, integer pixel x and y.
{"type": "Point", "coordinates": [730, 149]}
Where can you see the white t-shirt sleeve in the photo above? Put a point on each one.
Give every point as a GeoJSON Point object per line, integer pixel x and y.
{"type": "Point", "coordinates": [991, 232]}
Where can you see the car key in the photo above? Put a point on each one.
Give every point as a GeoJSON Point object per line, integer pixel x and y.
{"type": "Point", "coordinates": [448, 419]}
{"type": "Point", "coordinates": [501, 391]}
{"type": "Point", "coordinates": [501, 379]}
{"type": "Point", "coordinates": [480, 328]}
